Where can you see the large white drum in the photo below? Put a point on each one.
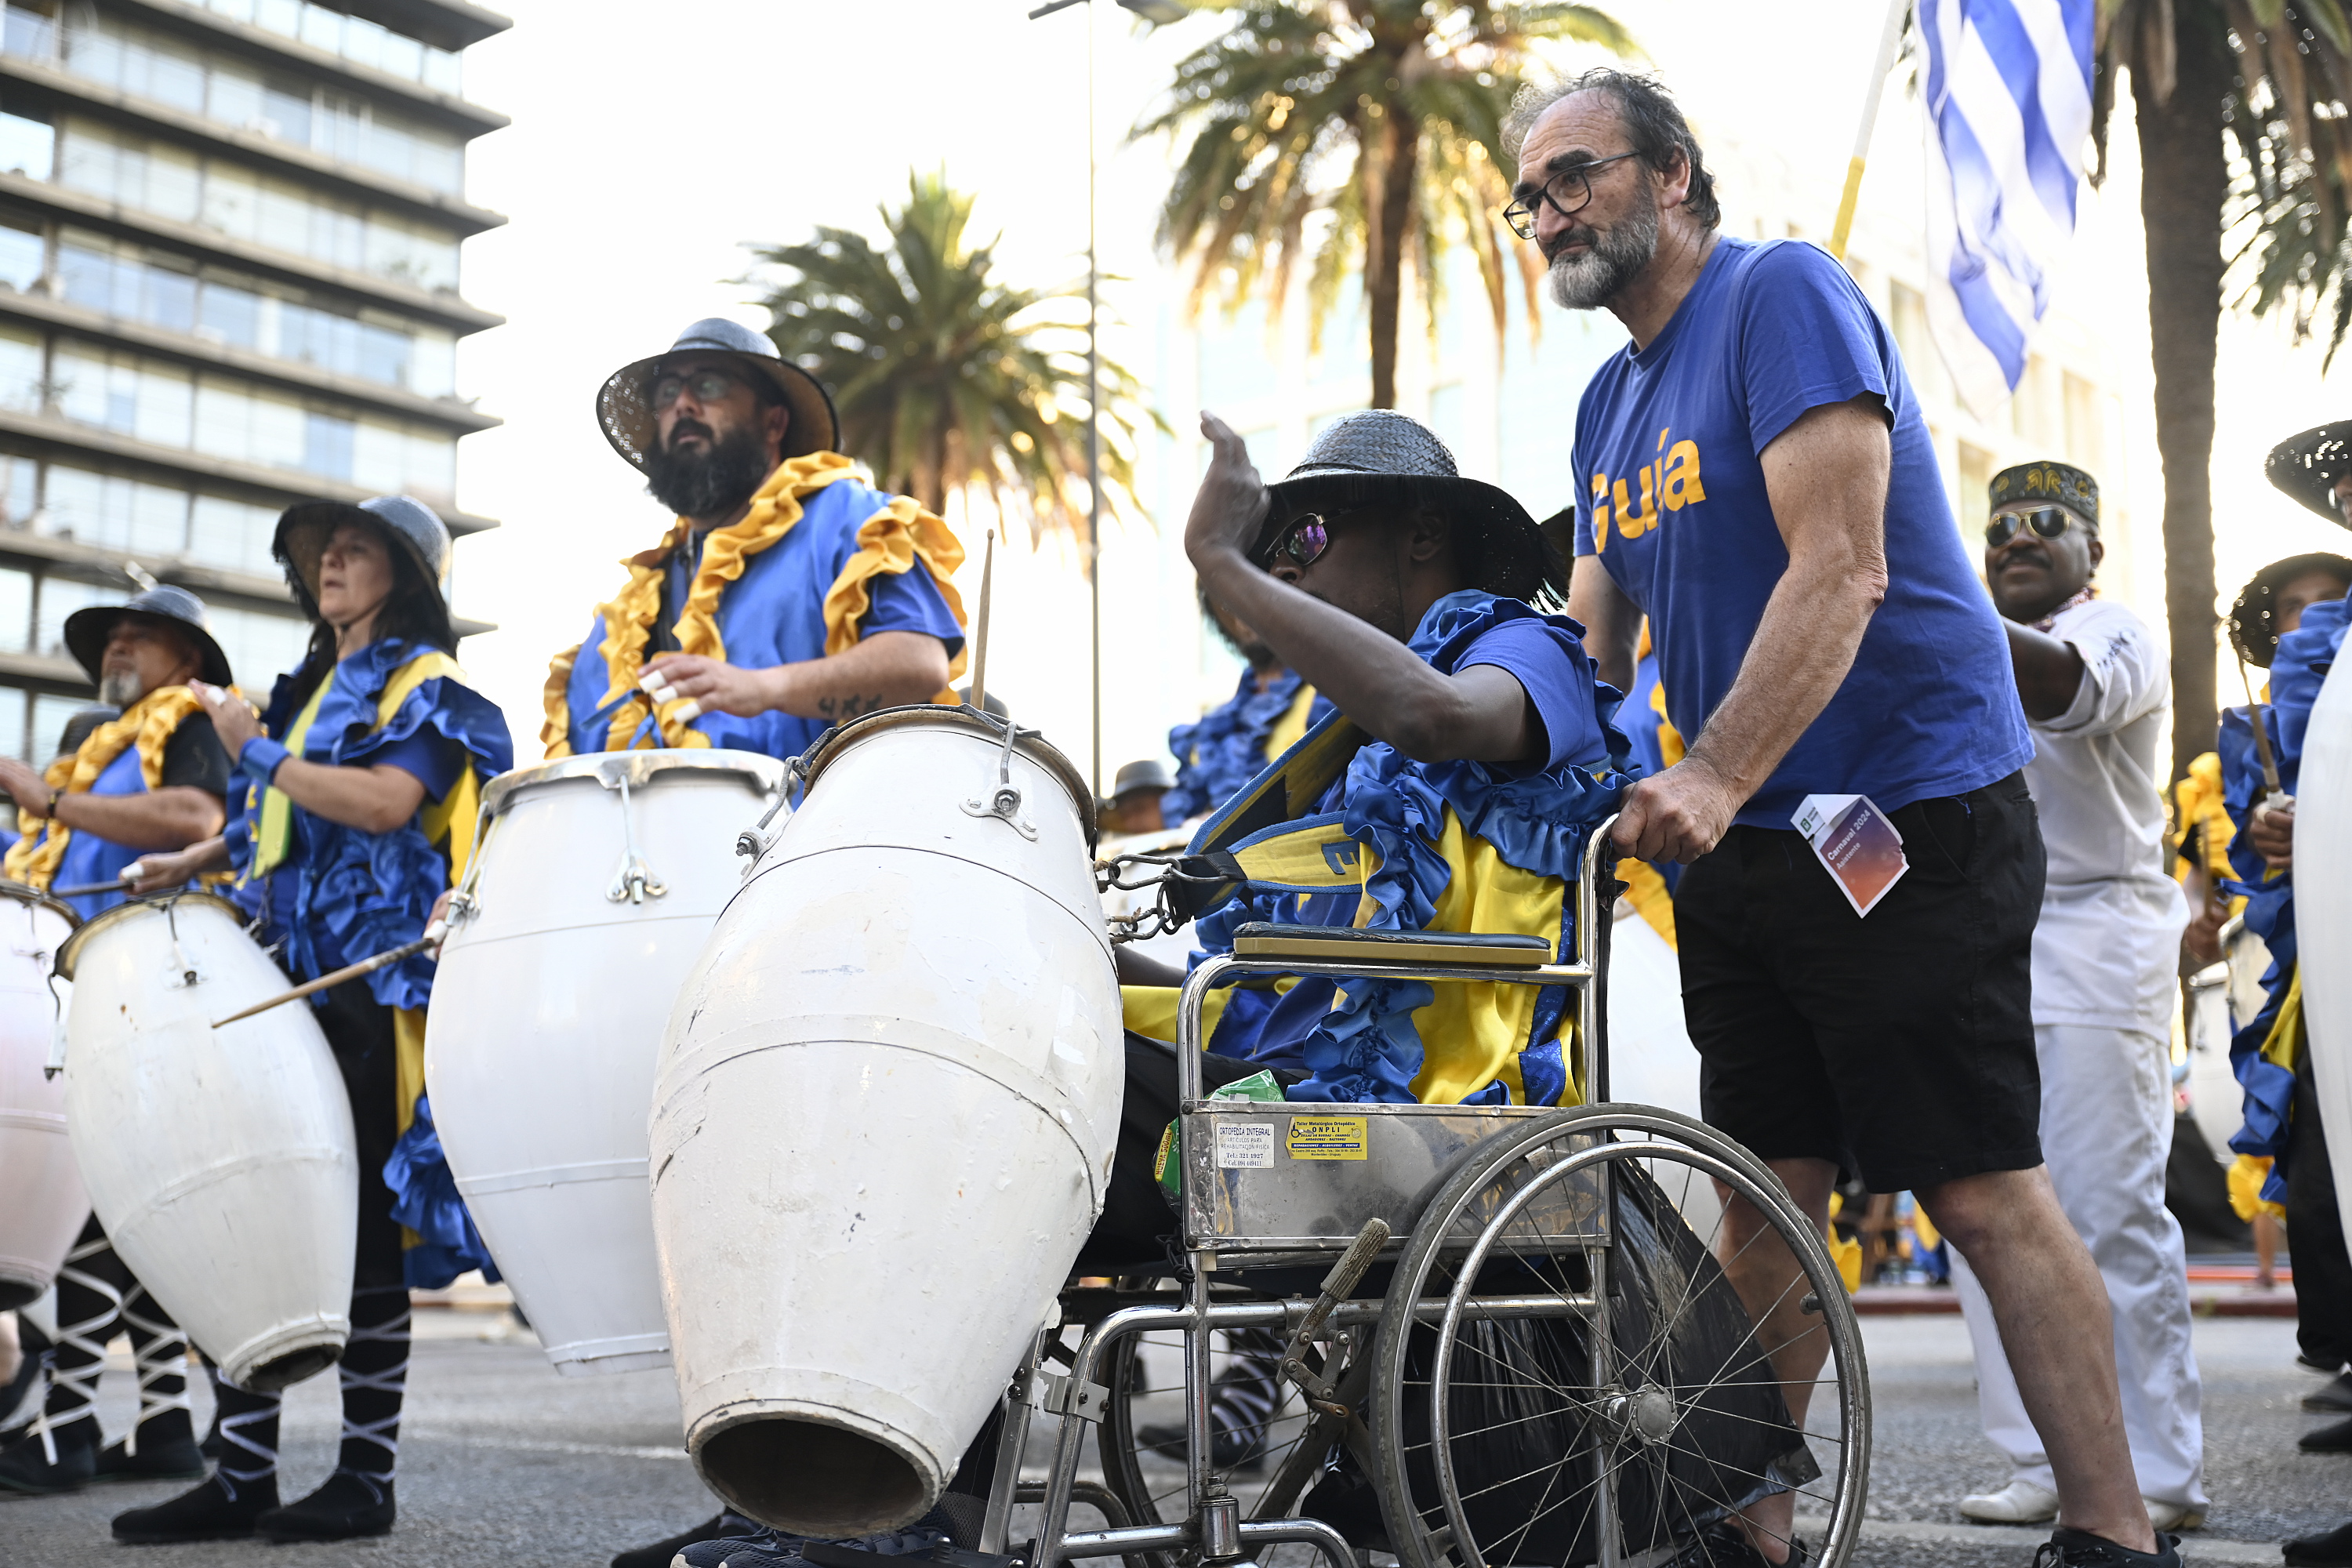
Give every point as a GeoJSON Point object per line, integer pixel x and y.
{"type": "Point", "coordinates": [547, 1016]}
{"type": "Point", "coordinates": [41, 1202]}
{"type": "Point", "coordinates": [2323, 913]}
{"type": "Point", "coordinates": [221, 1162]}
{"type": "Point", "coordinates": [885, 1120]}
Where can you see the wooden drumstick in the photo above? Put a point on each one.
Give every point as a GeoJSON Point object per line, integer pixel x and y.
{"type": "Point", "coordinates": [2272, 794]}
{"type": "Point", "coordinates": [980, 639]}
{"type": "Point", "coordinates": [432, 938]}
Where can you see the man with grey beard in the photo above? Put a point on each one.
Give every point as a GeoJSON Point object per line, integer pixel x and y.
{"type": "Point", "coordinates": [156, 778]}
{"type": "Point", "coordinates": [1754, 475]}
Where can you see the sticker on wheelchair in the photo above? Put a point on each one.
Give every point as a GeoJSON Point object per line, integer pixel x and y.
{"type": "Point", "coordinates": [1326, 1138]}
{"type": "Point", "coordinates": [1244, 1145]}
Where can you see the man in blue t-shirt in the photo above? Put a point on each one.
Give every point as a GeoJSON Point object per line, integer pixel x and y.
{"type": "Point", "coordinates": [1753, 474]}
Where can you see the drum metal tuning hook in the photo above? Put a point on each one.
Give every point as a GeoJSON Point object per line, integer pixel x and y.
{"type": "Point", "coordinates": [635, 882]}
{"type": "Point", "coordinates": [1004, 802]}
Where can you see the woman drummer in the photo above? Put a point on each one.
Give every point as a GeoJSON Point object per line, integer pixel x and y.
{"type": "Point", "coordinates": [359, 783]}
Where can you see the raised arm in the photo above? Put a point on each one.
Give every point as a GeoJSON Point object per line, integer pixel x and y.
{"type": "Point", "coordinates": [1480, 714]}
{"type": "Point", "coordinates": [372, 799]}
{"type": "Point", "coordinates": [165, 818]}
{"type": "Point", "coordinates": [1826, 477]}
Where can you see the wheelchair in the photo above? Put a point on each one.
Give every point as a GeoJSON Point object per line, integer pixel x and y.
{"type": "Point", "coordinates": [1524, 1346]}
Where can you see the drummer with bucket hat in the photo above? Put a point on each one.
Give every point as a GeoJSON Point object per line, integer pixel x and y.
{"type": "Point", "coordinates": [787, 594]}
{"type": "Point", "coordinates": [150, 777]}
{"type": "Point", "coordinates": [358, 790]}
{"type": "Point", "coordinates": [153, 778]}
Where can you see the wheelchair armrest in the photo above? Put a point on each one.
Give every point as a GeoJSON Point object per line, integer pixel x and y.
{"type": "Point", "coordinates": [1333, 945]}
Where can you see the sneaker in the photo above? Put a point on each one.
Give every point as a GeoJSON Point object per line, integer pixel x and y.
{"type": "Point", "coordinates": [1726, 1545]}
{"type": "Point", "coordinates": [2332, 1398]}
{"type": "Point", "coordinates": [2333, 1550]}
{"type": "Point", "coordinates": [349, 1506]}
{"type": "Point", "coordinates": [2173, 1516]}
{"type": "Point", "coordinates": [2331, 1439]}
{"type": "Point", "coordinates": [662, 1553]}
{"type": "Point", "coordinates": [2080, 1549]}
{"type": "Point", "coordinates": [2020, 1502]}
{"type": "Point", "coordinates": [27, 1469]}
{"type": "Point", "coordinates": [773, 1545]}
{"type": "Point", "coordinates": [1228, 1451]}
{"type": "Point", "coordinates": [172, 1460]}
{"type": "Point", "coordinates": [208, 1512]}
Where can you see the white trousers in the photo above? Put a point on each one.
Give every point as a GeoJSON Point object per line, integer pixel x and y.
{"type": "Point", "coordinates": [2106, 1131]}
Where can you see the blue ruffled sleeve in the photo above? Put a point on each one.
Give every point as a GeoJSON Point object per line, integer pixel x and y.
{"type": "Point", "coordinates": [426, 1200]}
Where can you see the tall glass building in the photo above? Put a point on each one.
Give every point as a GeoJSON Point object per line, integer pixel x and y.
{"type": "Point", "coordinates": [229, 236]}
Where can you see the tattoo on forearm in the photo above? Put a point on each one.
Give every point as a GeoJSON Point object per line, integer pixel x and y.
{"type": "Point", "coordinates": [849, 706]}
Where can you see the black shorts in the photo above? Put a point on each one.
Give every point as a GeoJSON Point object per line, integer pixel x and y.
{"type": "Point", "coordinates": [1898, 1046]}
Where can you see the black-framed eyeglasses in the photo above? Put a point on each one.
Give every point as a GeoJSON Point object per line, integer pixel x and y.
{"type": "Point", "coordinates": [1567, 192]}
{"type": "Point", "coordinates": [2047, 522]}
{"type": "Point", "coordinates": [707, 385]}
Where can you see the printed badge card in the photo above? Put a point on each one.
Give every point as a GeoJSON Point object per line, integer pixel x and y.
{"type": "Point", "coordinates": [1854, 841]}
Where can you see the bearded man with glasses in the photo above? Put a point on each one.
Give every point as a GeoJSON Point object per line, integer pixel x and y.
{"type": "Point", "coordinates": [1754, 474]}
{"type": "Point", "coordinates": [2090, 678]}
{"type": "Point", "coordinates": [787, 596]}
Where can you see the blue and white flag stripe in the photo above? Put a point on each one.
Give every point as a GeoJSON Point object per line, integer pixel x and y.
{"type": "Point", "coordinates": [2009, 111]}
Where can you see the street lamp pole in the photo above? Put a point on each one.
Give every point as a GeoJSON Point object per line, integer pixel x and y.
{"type": "Point", "coordinates": [1159, 12]}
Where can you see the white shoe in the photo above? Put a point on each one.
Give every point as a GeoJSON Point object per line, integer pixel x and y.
{"type": "Point", "coordinates": [2164, 1516]}
{"type": "Point", "coordinates": [2020, 1502]}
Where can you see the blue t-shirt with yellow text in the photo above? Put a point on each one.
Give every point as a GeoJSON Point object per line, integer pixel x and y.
{"type": "Point", "coordinates": [1671, 498]}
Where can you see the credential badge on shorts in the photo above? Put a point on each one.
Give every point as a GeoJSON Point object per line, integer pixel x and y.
{"type": "Point", "coordinates": [1855, 843]}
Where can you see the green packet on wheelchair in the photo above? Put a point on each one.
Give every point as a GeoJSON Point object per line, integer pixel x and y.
{"type": "Point", "coordinates": [1166, 1170]}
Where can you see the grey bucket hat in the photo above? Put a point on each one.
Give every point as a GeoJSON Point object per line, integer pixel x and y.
{"type": "Point", "coordinates": [1379, 456]}
{"type": "Point", "coordinates": [625, 404]}
{"type": "Point", "coordinates": [87, 630]}
{"type": "Point", "coordinates": [416, 529]}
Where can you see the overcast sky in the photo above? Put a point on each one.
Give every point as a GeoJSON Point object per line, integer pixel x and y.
{"type": "Point", "coordinates": [651, 144]}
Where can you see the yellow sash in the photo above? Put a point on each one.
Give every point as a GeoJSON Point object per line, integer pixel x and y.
{"type": "Point", "coordinates": [149, 725]}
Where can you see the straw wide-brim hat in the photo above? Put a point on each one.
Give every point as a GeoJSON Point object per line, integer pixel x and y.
{"type": "Point", "coordinates": [1381, 457]}
{"type": "Point", "coordinates": [413, 527]}
{"type": "Point", "coordinates": [2253, 621]}
{"type": "Point", "coordinates": [88, 629]}
{"type": "Point", "coordinates": [2306, 467]}
{"type": "Point", "coordinates": [625, 404]}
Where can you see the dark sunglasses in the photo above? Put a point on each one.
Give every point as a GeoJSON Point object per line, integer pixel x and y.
{"type": "Point", "coordinates": [707, 386]}
{"type": "Point", "coordinates": [2048, 521]}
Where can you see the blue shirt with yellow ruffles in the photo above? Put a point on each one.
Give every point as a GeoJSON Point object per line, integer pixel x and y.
{"type": "Point", "coordinates": [822, 561]}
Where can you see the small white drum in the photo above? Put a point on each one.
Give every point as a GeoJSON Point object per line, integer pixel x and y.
{"type": "Point", "coordinates": [41, 1202]}
{"type": "Point", "coordinates": [2323, 912]}
{"type": "Point", "coordinates": [596, 887]}
{"type": "Point", "coordinates": [221, 1162]}
{"type": "Point", "coordinates": [886, 1113]}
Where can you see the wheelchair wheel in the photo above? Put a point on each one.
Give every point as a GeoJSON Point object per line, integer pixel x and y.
{"type": "Point", "coordinates": [1625, 1402]}
{"type": "Point", "coordinates": [1147, 1383]}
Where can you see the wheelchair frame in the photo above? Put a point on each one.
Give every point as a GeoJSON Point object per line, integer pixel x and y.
{"type": "Point", "coordinates": [1212, 1528]}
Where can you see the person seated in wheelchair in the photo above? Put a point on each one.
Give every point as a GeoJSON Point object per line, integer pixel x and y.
{"type": "Point", "coordinates": [1471, 755]}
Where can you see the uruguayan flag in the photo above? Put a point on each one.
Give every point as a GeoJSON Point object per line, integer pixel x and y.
{"type": "Point", "coordinates": [2009, 110]}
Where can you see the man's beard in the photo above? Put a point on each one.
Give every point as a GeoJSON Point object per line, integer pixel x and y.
{"type": "Point", "coordinates": [119, 687]}
{"type": "Point", "coordinates": [1613, 259]}
{"type": "Point", "coordinates": [711, 483]}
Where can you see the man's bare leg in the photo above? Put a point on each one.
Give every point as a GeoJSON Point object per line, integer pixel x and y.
{"type": "Point", "coordinates": [2057, 1326]}
{"type": "Point", "coordinates": [1771, 1286]}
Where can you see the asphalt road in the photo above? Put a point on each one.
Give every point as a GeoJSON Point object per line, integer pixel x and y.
{"type": "Point", "coordinates": [505, 1465]}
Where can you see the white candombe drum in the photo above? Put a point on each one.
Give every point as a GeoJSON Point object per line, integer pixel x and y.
{"type": "Point", "coordinates": [2323, 912]}
{"type": "Point", "coordinates": [42, 1205]}
{"type": "Point", "coordinates": [885, 1118]}
{"type": "Point", "coordinates": [547, 1017]}
{"type": "Point", "coordinates": [221, 1162]}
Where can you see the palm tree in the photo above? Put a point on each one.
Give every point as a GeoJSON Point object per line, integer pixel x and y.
{"type": "Point", "coordinates": [947, 380]}
{"type": "Point", "coordinates": [1387, 116]}
{"type": "Point", "coordinates": [2267, 81]}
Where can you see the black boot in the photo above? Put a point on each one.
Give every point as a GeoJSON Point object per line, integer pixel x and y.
{"type": "Point", "coordinates": [29, 1467]}
{"type": "Point", "coordinates": [217, 1509]}
{"type": "Point", "coordinates": [728, 1526]}
{"type": "Point", "coordinates": [160, 1457]}
{"type": "Point", "coordinates": [161, 1445]}
{"type": "Point", "coordinates": [347, 1506]}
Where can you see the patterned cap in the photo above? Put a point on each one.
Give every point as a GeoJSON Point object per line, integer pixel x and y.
{"type": "Point", "coordinates": [2308, 466]}
{"type": "Point", "coordinates": [2046, 481]}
